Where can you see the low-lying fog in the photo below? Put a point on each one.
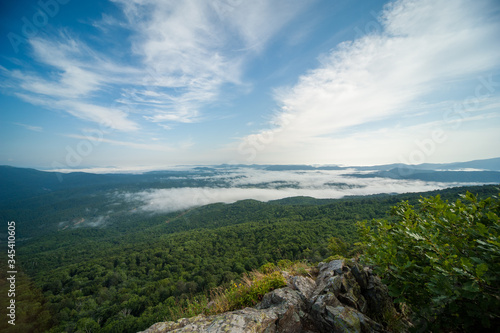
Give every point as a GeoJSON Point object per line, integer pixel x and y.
{"type": "Point", "coordinates": [263, 185]}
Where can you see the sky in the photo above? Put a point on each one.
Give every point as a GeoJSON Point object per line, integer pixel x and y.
{"type": "Point", "coordinates": [157, 83]}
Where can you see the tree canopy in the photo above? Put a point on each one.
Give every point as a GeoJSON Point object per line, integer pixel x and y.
{"type": "Point", "coordinates": [442, 259]}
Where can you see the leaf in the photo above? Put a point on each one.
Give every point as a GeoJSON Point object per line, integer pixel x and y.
{"type": "Point", "coordinates": [440, 299]}
{"type": "Point", "coordinates": [481, 269]}
{"type": "Point", "coordinates": [471, 287]}
{"type": "Point", "coordinates": [414, 235]}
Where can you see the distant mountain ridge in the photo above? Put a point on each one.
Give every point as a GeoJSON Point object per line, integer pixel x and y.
{"type": "Point", "coordinates": [436, 176]}
{"type": "Point", "coordinates": [491, 164]}
{"type": "Point", "coordinates": [19, 183]}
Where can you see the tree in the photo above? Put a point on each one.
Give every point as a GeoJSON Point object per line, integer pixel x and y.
{"type": "Point", "coordinates": [337, 246]}
{"type": "Point", "coordinates": [442, 259]}
{"type": "Point", "coordinates": [88, 325]}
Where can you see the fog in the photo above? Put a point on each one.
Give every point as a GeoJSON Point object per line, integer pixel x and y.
{"type": "Point", "coordinates": [94, 222]}
{"type": "Point", "coordinates": [262, 185]}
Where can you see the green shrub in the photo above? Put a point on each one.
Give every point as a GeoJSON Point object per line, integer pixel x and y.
{"type": "Point", "coordinates": [335, 257]}
{"type": "Point", "coordinates": [284, 263]}
{"type": "Point", "coordinates": [249, 294]}
{"type": "Point", "coordinates": [442, 259]}
{"type": "Point", "coordinates": [268, 268]}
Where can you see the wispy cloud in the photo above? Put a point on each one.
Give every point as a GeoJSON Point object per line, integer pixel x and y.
{"type": "Point", "coordinates": [106, 117]}
{"type": "Point", "coordinates": [179, 55]}
{"type": "Point", "coordinates": [193, 48]}
{"type": "Point", "coordinates": [30, 127]}
{"type": "Point", "coordinates": [134, 145]}
{"type": "Point", "coordinates": [423, 47]}
{"type": "Point", "coordinates": [74, 76]}
{"type": "Point", "coordinates": [83, 222]}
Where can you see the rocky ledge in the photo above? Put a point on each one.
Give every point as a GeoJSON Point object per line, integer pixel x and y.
{"type": "Point", "coordinates": [345, 297]}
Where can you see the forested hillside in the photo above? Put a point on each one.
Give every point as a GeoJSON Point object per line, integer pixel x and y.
{"type": "Point", "coordinates": [124, 277]}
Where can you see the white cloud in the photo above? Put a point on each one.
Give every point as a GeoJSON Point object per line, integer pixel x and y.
{"type": "Point", "coordinates": [191, 49]}
{"type": "Point", "coordinates": [122, 170]}
{"type": "Point", "coordinates": [82, 222]}
{"type": "Point", "coordinates": [30, 127]}
{"type": "Point", "coordinates": [244, 182]}
{"type": "Point", "coordinates": [104, 116]}
{"type": "Point", "coordinates": [75, 75]}
{"type": "Point", "coordinates": [143, 146]}
{"type": "Point", "coordinates": [179, 56]}
{"type": "Point", "coordinates": [422, 48]}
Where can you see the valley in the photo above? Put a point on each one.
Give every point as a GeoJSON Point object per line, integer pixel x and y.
{"type": "Point", "coordinates": [93, 249]}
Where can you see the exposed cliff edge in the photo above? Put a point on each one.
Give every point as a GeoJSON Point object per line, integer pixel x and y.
{"type": "Point", "coordinates": [345, 297]}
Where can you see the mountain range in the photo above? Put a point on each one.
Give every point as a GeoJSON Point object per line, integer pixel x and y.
{"type": "Point", "coordinates": [120, 252]}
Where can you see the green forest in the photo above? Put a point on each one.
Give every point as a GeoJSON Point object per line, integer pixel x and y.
{"type": "Point", "coordinates": [126, 276]}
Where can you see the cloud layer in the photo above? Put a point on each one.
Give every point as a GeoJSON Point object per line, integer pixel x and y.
{"type": "Point", "coordinates": [354, 102]}
{"type": "Point", "coordinates": [264, 185]}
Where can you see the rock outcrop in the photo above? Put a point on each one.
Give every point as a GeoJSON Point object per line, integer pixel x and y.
{"type": "Point", "coordinates": [345, 297]}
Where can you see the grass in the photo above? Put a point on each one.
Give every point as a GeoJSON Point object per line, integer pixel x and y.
{"type": "Point", "coordinates": [248, 291]}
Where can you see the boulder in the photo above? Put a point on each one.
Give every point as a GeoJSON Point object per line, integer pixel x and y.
{"type": "Point", "coordinates": [281, 311]}
{"type": "Point", "coordinates": [346, 297]}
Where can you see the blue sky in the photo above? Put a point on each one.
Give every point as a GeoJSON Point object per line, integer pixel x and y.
{"type": "Point", "coordinates": [155, 83]}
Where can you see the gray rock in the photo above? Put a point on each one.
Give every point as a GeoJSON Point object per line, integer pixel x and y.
{"type": "Point", "coordinates": [241, 321]}
{"type": "Point", "coordinates": [360, 275]}
{"type": "Point", "coordinates": [332, 267]}
{"type": "Point", "coordinates": [304, 285]}
{"type": "Point", "coordinates": [345, 297]}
